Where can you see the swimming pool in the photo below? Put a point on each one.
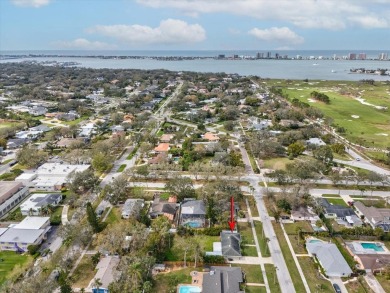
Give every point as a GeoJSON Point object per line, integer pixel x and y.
{"type": "Point", "coordinates": [193, 224]}
{"type": "Point", "coordinates": [189, 289]}
{"type": "Point", "coordinates": [373, 246]}
{"type": "Point", "coordinates": [314, 241]}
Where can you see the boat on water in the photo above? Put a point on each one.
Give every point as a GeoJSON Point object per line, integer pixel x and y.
{"type": "Point", "coordinates": [333, 71]}
{"type": "Point", "coordinates": [314, 64]}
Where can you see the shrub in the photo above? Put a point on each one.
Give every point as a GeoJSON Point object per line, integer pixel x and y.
{"type": "Point", "coordinates": [32, 249]}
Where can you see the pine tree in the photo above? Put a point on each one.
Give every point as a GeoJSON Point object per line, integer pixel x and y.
{"type": "Point", "coordinates": [93, 219]}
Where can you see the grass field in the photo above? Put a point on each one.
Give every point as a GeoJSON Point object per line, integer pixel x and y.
{"type": "Point", "coordinates": [253, 273]}
{"type": "Point", "coordinates": [276, 163]}
{"type": "Point", "coordinates": [384, 282]}
{"type": "Point", "coordinates": [337, 201]}
{"type": "Point", "coordinates": [359, 286]}
{"type": "Point", "coordinates": [270, 270]}
{"type": "Point", "coordinates": [10, 260]}
{"type": "Point", "coordinates": [316, 283]}
{"type": "Point", "coordinates": [248, 250]}
{"type": "Point", "coordinates": [378, 203]}
{"type": "Point", "coordinates": [169, 281]}
{"type": "Point", "coordinates": [291, 228]}
{"type": "Point", "coordinates": [122, 167]}
{"type": "Point", "coordinates": [370, 125]}
{"type": "Point", "coordinates": [245, 230]}
{"type": "Point", "coordinates": [84, 272]}
{"type": "Point", "coordinates": [264, 249]}
{"type": "Point", "coordinates": [253, 289]}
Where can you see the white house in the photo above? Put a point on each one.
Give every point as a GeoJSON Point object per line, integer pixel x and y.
{"type": "Point", "coordinates": [34, 204]}
{"type": "Point", "coordinates": [11, 194]}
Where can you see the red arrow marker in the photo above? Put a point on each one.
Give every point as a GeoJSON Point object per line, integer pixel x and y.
{"type": "Point", "coordinates": [232, 223]}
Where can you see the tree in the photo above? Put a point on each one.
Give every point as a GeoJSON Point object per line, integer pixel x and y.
{"type": "Point", "coordinates": [338, 148]}
{"type": "Point", "coordinates": [79, 182]}
{"type": "Point", "coordinates": [324, 154]}
{"type": "Point", "coordinates": [117, 189]}
{"type": "Point", "coordinates": [3, 143]}
{"type": "Point", "coordinates": [32, 249]}
{"type": "Point", "coordinates": [63, 281]}
{"type": "Point", "coordinates": [181, 187]}
{"type": "Point", "coordinates": [31, 157]}
{"type": "Point", "coordinates": [295, 149]}
{"type": "Point", "coordinates": [101, 162]}
{"type": "Point", "coordinates": [93, 219]}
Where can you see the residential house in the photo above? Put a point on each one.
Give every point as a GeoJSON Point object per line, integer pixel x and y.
{"type": "Point", "coordinates": [87, 130]}
{"type": "Point", "coordinates": [373, 263]}
{"type": "Point", "coordinates": [132, 207]}
{"type": "Point", "coordinates": [11, 194]}
{"type": "Point", "coordinates": [34, 204]}
{"type": "Point", "coordinates": [66, 142]}
{"type": "Point", "coordinates": [15, 143]}
{"type": "Point", "coordinates": [231, 243]}
{"type": "Point", "coordinates": [192, 213]}
{"type": "Point", "coordinates": [330, 258]}
{"type": "Point", "coordinates": [315, 141]}
{"type": "Point", "coordinates": [211, 137]}
{"type": "Point", "coordinates": [37, 110]}
{"type": "Point", "coordinates": [163, 208]}
{"type": "Point", "coordinates": [334, 211]}
{"type": "Point", "coordinates": [222, 280]}
{"type": "Point", "coordinates": [105, 273]}
{"type": "Point", "coordinates": [166, 138]}
{"type": "Point", "coordinates": [42, 128]}
{"type": "Point", "coordinates": [304, 214]}
{"type": "Point", "coordinates": [162, 148]}
{"type": "Point", "coordinates": [376, 217]}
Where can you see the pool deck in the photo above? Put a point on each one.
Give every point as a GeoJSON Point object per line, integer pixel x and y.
{"type": "Point", "coordinates": [197, 280]}
{"type": "Point", "coordinates": [356, 247]}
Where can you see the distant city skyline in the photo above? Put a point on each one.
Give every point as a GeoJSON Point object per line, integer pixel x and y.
{"type": "Point", "coordinates": [354, 25]}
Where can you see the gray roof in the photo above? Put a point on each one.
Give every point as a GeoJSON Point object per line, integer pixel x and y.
{"type": "Point", "coordinates": [340, 211]}
{"type": "Point", "coordinates": [41, 127]}
{"type": "Point", "coordinates": [21, 235]}
{"type": "Point", "coordinates": [230, 243]}
{"type": "Point", "coordinates": [222, 280]}
{"type": "Point", "coordinates": [132, 205]}
{"type": "Point", "coordinates": [193, 207]}
{"type": "Point", "coordinates": [160, 207]}
{"type": "Point", "coordinates": [330, 258]}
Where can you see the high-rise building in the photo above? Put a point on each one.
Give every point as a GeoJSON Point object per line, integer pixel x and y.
{"type": "Point", "coordinates": [362, 56]}
{"type": "Point", "coordinates": [260, 55]}
{"type": "Point", "coordinates": [269, 55]}
{"type": "Point", "coordinates": [383, 56]}
{"type": "Point", "coordinates": [352, 56]}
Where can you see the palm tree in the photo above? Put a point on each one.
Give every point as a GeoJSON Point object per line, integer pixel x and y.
{"type": "Point", "coordinates": [97, 283]}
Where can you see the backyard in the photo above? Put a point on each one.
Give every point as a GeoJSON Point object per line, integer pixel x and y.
{"type": "Point", "coordinates": [9, 260]}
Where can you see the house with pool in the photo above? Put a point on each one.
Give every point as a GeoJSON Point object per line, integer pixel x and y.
{"type": "Point", "coordinates": [329, 257]}
{"type": "Point", "coordinates": [192, 213]}
{"type": "Point", "coordinates": [372, 256]}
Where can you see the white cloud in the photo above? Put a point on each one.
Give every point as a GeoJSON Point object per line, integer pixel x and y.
{"type": "Point", "coordinates": [83, 44]}
{"type": "Point", "coordinates": [30, 3]}
{"type": "Point", "coordinates": [277, 34]}
{"type": "Point", "coordinates": [370, 21]}
{"type": "Point", "coordinates": [326, 14]}
{"type": "Point", "coordinates": [170, 31]}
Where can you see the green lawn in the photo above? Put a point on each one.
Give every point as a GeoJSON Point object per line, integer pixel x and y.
{"type": "Point", "coordinates": [276, 163]}
{"type": "Point", "coordinates": [169, 281]}
{"type": "Point", "coordinates": [272, 278]}
{"type": "Point", "coordinates": [122, 167]}
{"type": "Point", "coordinates": [378, 203]}
{"type": "Point", "coordinates": [313, 278]}
{"type": "Point", "coordinates": [262, 239]}
{"type": "Point", "coordinates": [330, 195]}
{"type": "Point", "coordinates": [245, 230]}
{"type": "Point", "coordinates": [15, 215]}
{"type": "Point", "coordinates": [114, 216]}
{"type": "Point", "coordinates": [11, 259]}
{"type": "Point", "coordinates": [292, 268]}
{"type": "Point", "coordinates": [248, 250]}
{"type": "Point", "coordinates": [299, 248]}
{"type": "Point", "coordinates": [176, 253]}
{"type": "Point", "coordinates": [291, 228]}
{"type": "Point", "coordinates": [253, 273]}
{"type": "Point", "coordinates": [253, 289]}
{"type": "Point", "coordinates": [337, 201]}
{"type": "Point", "coordinates": [253, 206]}
{"type": "Point", "coordinates": [55, 217]}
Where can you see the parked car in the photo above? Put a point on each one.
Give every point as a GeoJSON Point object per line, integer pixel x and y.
{"type": "Point", "coordinates": [336, 288]}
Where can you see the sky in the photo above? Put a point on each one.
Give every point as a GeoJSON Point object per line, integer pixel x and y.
{"type": "Point", "coordinates": [194, 24]}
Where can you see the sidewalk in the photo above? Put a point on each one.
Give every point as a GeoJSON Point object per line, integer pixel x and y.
{"type": "Point", "coordinates": [64, 215]}
{"type": "Point", "coordinates": [296, 260]}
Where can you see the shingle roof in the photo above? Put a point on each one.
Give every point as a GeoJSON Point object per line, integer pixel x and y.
{"type": "Point", "coordinates": [193, 207]}
{"type": "Point", "coordinates": [330, 258]}
{"type": "Point", "coordinates": [230, 243]}
{"type": "Point", "coordinates": [339, 210]}
{"type": "Point", "coordinates": [222, 280]}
